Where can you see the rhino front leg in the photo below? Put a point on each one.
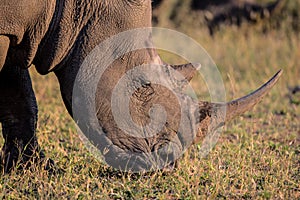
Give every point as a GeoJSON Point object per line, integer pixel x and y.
{"type": "Point", "coordinates": [18, 115]}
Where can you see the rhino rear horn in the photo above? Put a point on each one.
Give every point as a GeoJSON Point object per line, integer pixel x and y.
{"type": "Point", "coordinates": [4, 45]}
{"type": "Point", "coordinates": [187, 70]}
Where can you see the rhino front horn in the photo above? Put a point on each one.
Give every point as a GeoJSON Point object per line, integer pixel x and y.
{"type": "Point", "coordinates": [4, 45]}
{"type": "Point", "coordinates": [241, 105]}
{"type": "Point", "coordinates": [212, 115]}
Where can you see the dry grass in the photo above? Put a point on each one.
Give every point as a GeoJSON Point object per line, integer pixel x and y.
{"type": "Point", "coordinates": [257, 156]}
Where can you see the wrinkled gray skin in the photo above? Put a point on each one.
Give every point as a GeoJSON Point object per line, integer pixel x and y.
{"type": "Point", "coordinates": [56, 36]}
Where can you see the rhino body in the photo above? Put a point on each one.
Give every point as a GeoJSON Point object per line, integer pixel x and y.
{"type": "Point", "coordinates": [56, 36]}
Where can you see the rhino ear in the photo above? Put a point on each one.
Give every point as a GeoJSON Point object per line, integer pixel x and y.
{"type": "Point", "coordinates": [4, 45]}
{"type": "Point", "coordinates": [187, 70]}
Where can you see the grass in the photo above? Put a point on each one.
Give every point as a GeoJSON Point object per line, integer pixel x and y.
{"type": "Point", "coordinates": [257, 156]}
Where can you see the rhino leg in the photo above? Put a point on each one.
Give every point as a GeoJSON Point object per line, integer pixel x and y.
{"type": "Point", "coordinates": [18, 115]}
